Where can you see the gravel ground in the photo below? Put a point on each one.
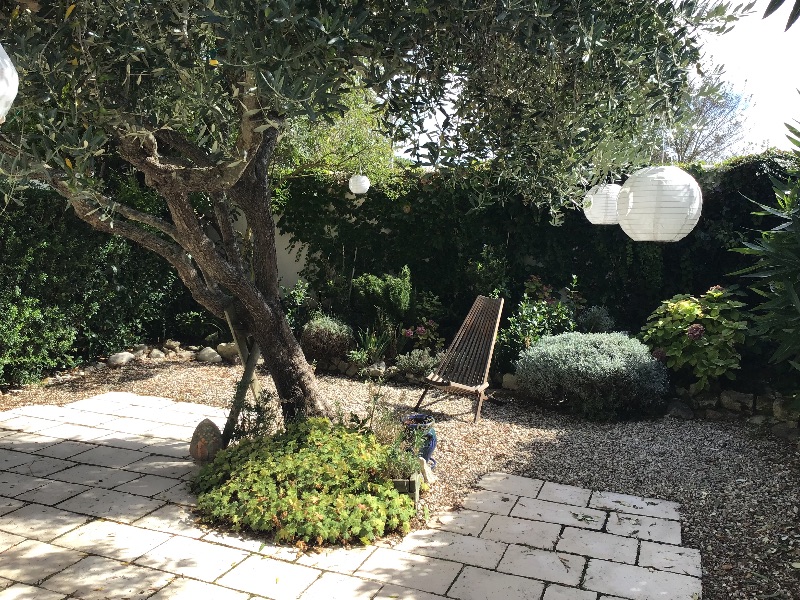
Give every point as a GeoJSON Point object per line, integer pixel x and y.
{"type": "Point", "coordinates": [738, 487]}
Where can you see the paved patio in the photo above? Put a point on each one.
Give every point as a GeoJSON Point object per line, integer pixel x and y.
{"type": "Point", "coordinates": [94, 505]}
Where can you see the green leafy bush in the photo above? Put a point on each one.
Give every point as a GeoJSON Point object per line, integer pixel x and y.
{"type": "Point", "coordinates": [296, 303]}
{"type": "Point", "coordinates": [698, 338]}
{"type": "Point", "coordinates": [326, 338]}
{"type": "Point", "coordinates": [316, 483]}
{"type": "Point", "coordinates": [33, 338]}
{"type": "Point", "coordinates": [599, 376]}
{"type": "Point", "coordinates": [425, 335]}
{"type": "Point", "coordinates": [532, 320]}
{"type": "Point", "coordinates": [386, 297]}
{"type": "Point", "coordinates": [418, 362]}
{"type": "Point", "coordinates": [372, 346]}
{"type": "Point", "coordinates": [595, 319]}
{"type": "Point", "coordinates": [777, 273]}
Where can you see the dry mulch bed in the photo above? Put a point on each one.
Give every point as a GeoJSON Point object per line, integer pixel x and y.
{"type": "Point", "coordinates": [738, 487]}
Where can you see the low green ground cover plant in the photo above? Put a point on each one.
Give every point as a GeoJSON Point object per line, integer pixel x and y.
{"type": "Point", "coordinates": [316, 483]}
{"type": "Point", "coordinates": [599, 376]}
{"type": "Point", "coordinates": [698, 338]}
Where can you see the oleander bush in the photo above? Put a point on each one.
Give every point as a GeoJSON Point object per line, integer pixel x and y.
{"type": "Point", "coordinates": [599, 376]}
{"type": "Point", "coordinates": [316, 483]}
{"type": "Point", "coordinates": [326, 338]}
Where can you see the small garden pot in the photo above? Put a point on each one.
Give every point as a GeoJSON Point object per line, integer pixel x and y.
{"type": "Point", "coordinates": [409, 486]}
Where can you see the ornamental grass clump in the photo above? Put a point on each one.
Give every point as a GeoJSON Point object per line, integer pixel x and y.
{"type": "Point", "coordinates": [316, 483]}
{"type": "Point", "coordinates": [599, 376]}
{"type": "Point", "coordinates": [698, 338]}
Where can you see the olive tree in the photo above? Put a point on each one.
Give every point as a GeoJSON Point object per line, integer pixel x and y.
{"type": "Point", "coordinates": [194, 96]}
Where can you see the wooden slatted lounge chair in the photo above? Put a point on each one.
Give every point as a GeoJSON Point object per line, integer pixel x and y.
{"type": "Point", "coordinates": [465, 367]}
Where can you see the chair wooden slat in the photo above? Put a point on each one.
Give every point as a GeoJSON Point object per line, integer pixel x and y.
{"type": "Point", "coordinates": [465, 367]}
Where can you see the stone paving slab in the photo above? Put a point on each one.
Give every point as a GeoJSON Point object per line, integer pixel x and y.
{"type": "Point", "coordinates": [674, 559]}
{"type": "Point", "coordinates": [410, 570]}
{"type": "Point", "coordinates": [98, 578]}
{"type": "Point", "coordinates": [511, 484]}
{"type": "Point", "coordinates": [94, 503]}
{"type": "Point", "coordinates": [270, 578]}
{"type": "Point", "coordinates": [645, 528]}
{"type": "Point", "coordinates": [468, 522]}
{"type": "Point", "coordinates": [651, 507]}
{"type": "Point", "coordinates": [480, 584]}
{"type": "Point", "coordinates": [113, 540]}
{"type": "Point", "coordinates": [522, 531]}
{"type": "Point", "coordinates": [555, 567]}
{"type": "Point", "coordinates": [639, 583]}
{"type": "Point", "coordinates": [38, 522]}
{"type": "Point", "coordinates": [333, 586]}
{"type": "Point", "coordinates": [564, 514]}
{"type": "Point", "coordinates": [111, 504]}
{"type": "Point", "coordinates": [454, 546]}
{"type": "Point", "coordinates": [493, 502]}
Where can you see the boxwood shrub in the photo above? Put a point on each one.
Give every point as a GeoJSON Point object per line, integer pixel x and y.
{"type": "Point", "coordinates": [599, 376]}
{"type": "Point", "coordinates": [315, 483]}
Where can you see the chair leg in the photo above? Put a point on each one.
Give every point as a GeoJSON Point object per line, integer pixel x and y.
{"type": "Point", "coordinates": [481, 398]}
{"type": "Point", "coordinates": [421, 398]}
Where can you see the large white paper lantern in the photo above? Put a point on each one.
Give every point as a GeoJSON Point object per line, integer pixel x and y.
{"type": "Point", "coordinates": [659, 204]}
{"type": "Point", "coordinates": [600, 204]}
{"type": "Point", "coordinates": [359, 184]}
{"type": "Point", "coordinates": [9, 84]}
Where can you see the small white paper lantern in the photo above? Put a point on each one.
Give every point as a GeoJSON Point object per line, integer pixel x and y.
{"type": "Point", "coordinates": [659, 204]}
{"type": "Point", "coordinates": [600, 204]}
{"type": "Point", "coordinates": [9, 84]}
{"type": "Point", "coordinates": [359, 184]}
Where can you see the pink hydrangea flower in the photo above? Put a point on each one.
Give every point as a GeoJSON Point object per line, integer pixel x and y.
{"type": "Point", "coordinates": [408, 332]}
{"type": "Point", "coordinates": [421, 330]}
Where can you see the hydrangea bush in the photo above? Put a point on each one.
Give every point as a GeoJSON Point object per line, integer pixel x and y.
{"type": "Point", "coordinates": [599, 376]}
{"type": "Point", "coordinates": [698, 338]}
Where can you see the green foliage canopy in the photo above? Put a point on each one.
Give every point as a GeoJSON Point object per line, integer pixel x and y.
{"type": "Point", "coordinates": [538, 88]}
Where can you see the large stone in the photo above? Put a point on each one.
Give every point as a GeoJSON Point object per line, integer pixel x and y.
{"type": "Point", "coordinates": [764, 404]}
{"type": "Point", "coordinates": [736, 401]}
{"type": "Point", "coordinates": [705, 400]}
{"type": "Point", "coordinates": [156, 353]}
{"type": "Point", "coordinates": [786, 431]}
{"type": "Point", "coordinates": [206, 441]}
{"type": "Point", "coordinates": [785, 410]}
{"type": "Point", "coordinates": [209, 355]}
{"type": "Point", "coordinates": [119, 359]}
{"type": "Point", "coordinates": [229, 351]}
{"type": "Point", "coordinates": [680, 410]}
{"type": "Point", "coordinates": [510, 382]}
{"type": "Point", "coordinates": [172, 345]}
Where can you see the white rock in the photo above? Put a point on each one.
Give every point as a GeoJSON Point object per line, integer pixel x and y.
{"type": "Point", "coordinates": [120, 358]}
{"type": "Point", "coordinates": [208, 355]}
{"type": "Point", "coordinates": [172, 345]}
{"type": "Point", "coordinates": [156, 353]}
{"type": "Point", "coordinates": [229, 351]}
{"type": "Point", "coordinates": [510, 382]}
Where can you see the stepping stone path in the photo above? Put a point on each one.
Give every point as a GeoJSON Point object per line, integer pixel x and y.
{"type": "Point", "coordinates": [94, 505]}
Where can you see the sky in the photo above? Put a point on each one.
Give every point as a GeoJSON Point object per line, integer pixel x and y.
{"type": "Point", "coordinates": [762, 60]}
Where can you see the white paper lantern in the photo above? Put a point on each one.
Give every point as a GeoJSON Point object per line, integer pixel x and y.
{"type": "Point", "coordinates": [600, 204]}
{"type": "Point", "coordinates": [9, 84]}
{"type": "Point", "coordinates": [359, 184]}
{"type": "Point", "coordinates": [659, 204]}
